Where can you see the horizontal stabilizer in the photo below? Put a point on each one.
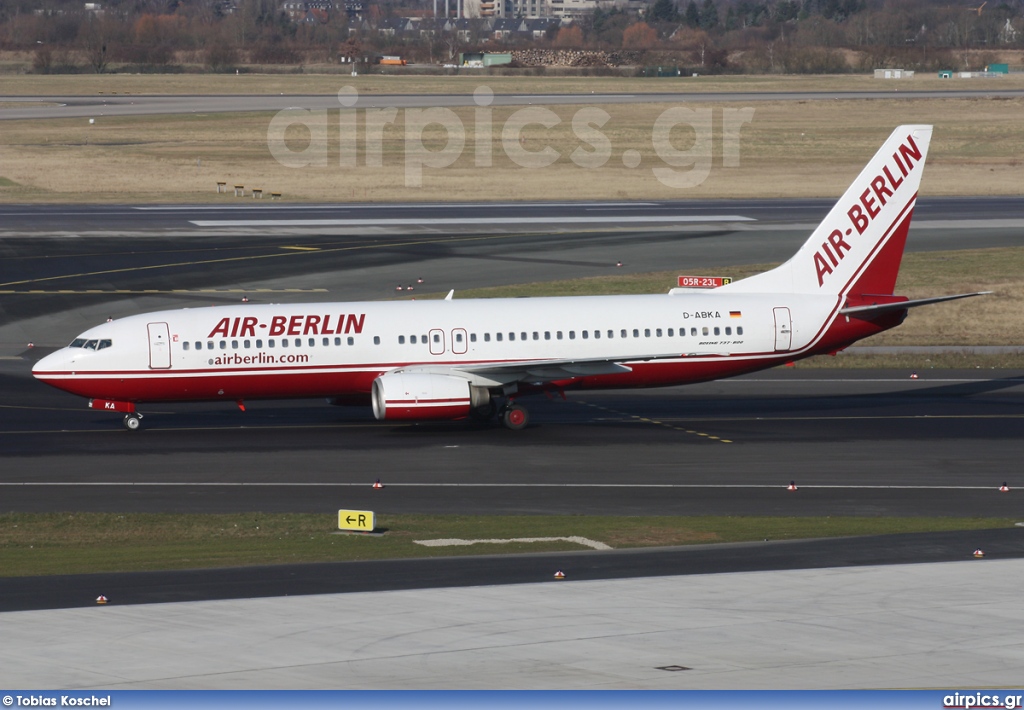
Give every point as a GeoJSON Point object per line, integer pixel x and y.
{"type": "Point", "coordinates": [904, 305]}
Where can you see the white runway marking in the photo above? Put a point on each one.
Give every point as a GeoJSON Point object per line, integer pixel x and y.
{"type": "Point", "coordinates": [391, 484]}
{"type": "Point", "coordinates": [457, 542]}
{"type": "Point", "coordinates": [458, 220]}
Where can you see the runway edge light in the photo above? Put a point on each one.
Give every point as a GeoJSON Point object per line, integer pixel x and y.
{"type": "Point", "coordinates": [979, 553]}
{"type": "Point", "coordinates": [791, 486]}
{"type": "Point", "coordinates": [377, 484]}
{"type": "Point", "coordinates": [1004, 488]}
{"type": "Point", "coordinates": [101, 599]}
{"type": "Point", "coordinates": [559, 574]}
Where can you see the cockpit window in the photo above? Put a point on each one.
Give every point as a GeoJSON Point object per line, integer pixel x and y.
{"type": "Point", "coordinates": [91, 344]}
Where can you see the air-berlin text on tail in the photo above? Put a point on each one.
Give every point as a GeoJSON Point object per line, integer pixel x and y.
{"type": "Point", "coordinates": [306, 324]}
{"type": "Point", "coordinates": [869, 205]}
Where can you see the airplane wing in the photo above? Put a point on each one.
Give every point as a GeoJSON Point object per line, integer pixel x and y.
{"type": "Point", "coordinates": [904, 305]}
{"type": "Point", "coordinates": [540, 371]}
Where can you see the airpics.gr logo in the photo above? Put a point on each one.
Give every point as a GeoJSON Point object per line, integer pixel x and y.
{"type": "Point", "coordinates": [680, 167]}
{"type": "Point", "coordinates": [981, 700]}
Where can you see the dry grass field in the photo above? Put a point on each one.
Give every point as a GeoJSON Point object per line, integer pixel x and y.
{"type": "Point", "coordinates": [787, 149]}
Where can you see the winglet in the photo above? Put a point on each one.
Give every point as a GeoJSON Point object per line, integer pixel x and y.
{"type": "Point", "coordinates": [450, 294]}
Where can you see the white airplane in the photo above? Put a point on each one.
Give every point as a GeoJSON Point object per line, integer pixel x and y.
{"type": "Point", "coordinates": [451, 359]}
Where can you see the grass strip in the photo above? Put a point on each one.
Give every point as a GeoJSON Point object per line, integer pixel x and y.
{"type": "Point", "coordinates": [78, 543]}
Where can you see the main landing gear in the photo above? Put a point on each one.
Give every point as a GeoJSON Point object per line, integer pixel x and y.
{"type": "Point", "coordinates": [514, 416]}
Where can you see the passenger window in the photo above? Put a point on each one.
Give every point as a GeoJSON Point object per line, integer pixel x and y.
{"type": "Point", "coordinates": [717, 330]}
{"type": "Point", "coordinates": [199, 345]}
{"type": "Point", "coordinates": [522, 336]}
{"type": "Point", "coordinates": [376, 340]}
{"type": "Point", "coordinates": [671, 332]}
{"type": "Point", "coordinates": [739, 330]}
{"type": "Point", "coordinates": [401, 340]}
{"type": "Point", "coordinates": [184, 346]}
{"type": "Point", "coordinates": [472, 337]}
{"type": "Point", "coordinates": [611, 333]}
{"type": "Point", "coordinates": [351, 340]}
{"type": "Point", "coordinates": [704, 330]}
{"type": "Point", "coordinates": [657, 332]}
{"type": "Point", "coordinates": [412, 339]}
{"type": "Point", "coordinates": [209, 345]}
{"type": "Point", "coordinates": [270, 343]}
{"type": "Point", "coordinates": [623, 333]}
{"type": "Point", "coordinates": [327, 341]}
{"type": "Point", "coordinates": [284, 342]}
{"type": "Point", "coordinates": [636, 332]}
{"type": "Point", "coordinates": [597, 334]}
{"type": "Point", "coordinates": [234, 345]}
{"type": "Point", "coordinates": [223, 345]}
{"type": "Point", "coordinates": [458, 337]}
{"type": "Point", "coordinates": [498, 337]}
{"type": "Point", "coordinates": [558, 335]}
{"type": "Point", "coordinates": [728, 330]}
{"type": "Point", "coordinates": [572, 335]}
{"type": "Point", "coordinates": [337, 341]}
{"type": "Point", "coordinates": [298, 342]}
{"type": "Point", "coordinates": [511, 336]}
{"type": "Point", "coordinates": [547, 335]}
{"type": "Point", "coordinates": [437, 337]}
{"type": "Point", "coordinates": [312, 342]}
{"type": "Point", "coordinates": [246, 344]}
{"type": "Point", "coordinates": [647, 332]}
{"type": "Point", "coordinates": [693, 331]}
{"type": "Point", "coordinates": [536, 335]}
{"type": "Point", "coordinates": [259, 343]}
{"type": "Point", "coordinates": [487, 337]}
{"type": "Point", "coordinates": [586, 334]}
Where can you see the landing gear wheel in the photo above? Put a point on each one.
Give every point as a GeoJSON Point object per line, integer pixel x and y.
{"type": "Point", "coordinates": [132, 422]}
{"type": "Point", "coordinates": [515, 417]}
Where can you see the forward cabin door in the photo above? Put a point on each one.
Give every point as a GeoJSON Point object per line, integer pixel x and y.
{"type": "Point", "coordinates": [783, 330]}
{"type": "Point", "coordinates": [159, 346]}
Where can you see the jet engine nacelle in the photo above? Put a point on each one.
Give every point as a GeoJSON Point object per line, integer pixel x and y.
{"type": "Point", "coordinates": [414, 395]}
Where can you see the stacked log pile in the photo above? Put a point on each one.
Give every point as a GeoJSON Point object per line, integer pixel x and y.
{"type": "Point", "coordinates": [573, 58]}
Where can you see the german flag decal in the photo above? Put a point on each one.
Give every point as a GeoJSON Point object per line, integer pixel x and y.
{"type": "Point", "coordinates": [735, 314]}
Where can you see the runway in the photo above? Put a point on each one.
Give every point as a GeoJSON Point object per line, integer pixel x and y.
{"type": "Point", "coordinates": [148, 105]}
{"type": "Point", "coordinates": [271, 219]}
{"type": "Point", "coordinates": [859, 442]}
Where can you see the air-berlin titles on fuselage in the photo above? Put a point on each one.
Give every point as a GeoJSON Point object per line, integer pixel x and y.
{"type": "Point", "coordinates": [862, 212]}
{"type": "Point", "coordinates": [246, 326]}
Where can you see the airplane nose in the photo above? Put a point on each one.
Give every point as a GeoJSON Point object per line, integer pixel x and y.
{"type": "Point", "coordinates": [52, 362]}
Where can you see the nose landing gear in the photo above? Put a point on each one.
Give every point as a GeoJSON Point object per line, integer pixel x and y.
{"type": "Point", "coordinates": [132, 421]}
